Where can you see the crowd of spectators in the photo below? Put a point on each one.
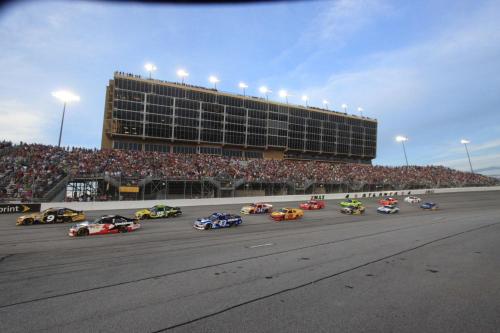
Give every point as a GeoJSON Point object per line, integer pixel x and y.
{"type": "Point", "coordinates": [29, 171]}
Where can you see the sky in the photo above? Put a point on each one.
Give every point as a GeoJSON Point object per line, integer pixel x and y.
{"type": "Point", "coordinates": [429, 70]}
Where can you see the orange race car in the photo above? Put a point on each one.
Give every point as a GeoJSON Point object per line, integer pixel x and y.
{"type": "Point", "coordinates": [313, 204]}
{"type": "Point", "coordinates": [287, 214]}
{"type": "Point", "coordinates": [388, 201]}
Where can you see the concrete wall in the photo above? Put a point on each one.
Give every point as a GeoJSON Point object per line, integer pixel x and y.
{"type": "Point", "coordinates": [109, 205]}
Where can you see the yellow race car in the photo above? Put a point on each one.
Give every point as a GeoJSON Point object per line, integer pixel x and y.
{"type": "Point", "coordinates": [52, 215]}
{"type": "Point", "coordinates": [287, 214]}
{"type": "Point", "coordinates": [158, 211]}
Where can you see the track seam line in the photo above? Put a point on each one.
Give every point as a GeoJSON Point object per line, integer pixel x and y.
{"type": "Point", "coordinates": [210, 266]}
{"type": "Point", "coordinates": [319, 279]}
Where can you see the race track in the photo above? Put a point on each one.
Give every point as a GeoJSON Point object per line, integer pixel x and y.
{"type": "Point", "coordinates": [416, 271]}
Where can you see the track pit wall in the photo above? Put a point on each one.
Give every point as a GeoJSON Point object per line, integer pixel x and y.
{"type": "Point", "coordinates": [111, 205]}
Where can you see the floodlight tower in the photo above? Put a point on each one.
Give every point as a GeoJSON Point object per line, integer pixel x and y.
{"type": "Point", "coordinates": [182, 74]}
{"type": "Point", "coordinates": [402, 139]}
{"type": "Point", "coordinates": [65, 97]}
{"type": "Point", "coordinates": [266, 91]}
{"type": "Point", "coordinates": [344, 107]}
{"type": "Point", "coordinates": [150, 68]}
{"type": "Point", "coordinates": [465, 142]}
{"type": "Point", "coordinates": [325, 104]}
{"type": "Point", "coordinates": [305, 98]}
{"type": "Point", "coordinates": [214, 79]}
{"type": "Point", "coordinates": [243, 86]}
{"type": "Point", "coordinates": [284, 94]}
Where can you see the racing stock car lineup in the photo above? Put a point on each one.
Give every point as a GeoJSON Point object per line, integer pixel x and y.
{"type": "Point", "coordinates": [113, 224]}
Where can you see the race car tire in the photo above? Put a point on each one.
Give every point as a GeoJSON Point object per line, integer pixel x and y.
{"type": "Point", "coordinates": [208, 226]}
{"type": "Point", "coordinates": [28, 222]}
{"type": "Point", "coordinates": [66, 219]}
{"type": "Point", "coordinates": [144, 217]}
{"type": "Point", "coordinates": [122, 229]}
{"type": "Point", "coordinates": [82, 232]}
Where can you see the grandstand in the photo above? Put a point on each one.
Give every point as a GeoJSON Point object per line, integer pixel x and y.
{"type": "Point", "coordinates": [153, 115]}
{"type": "Point", "coordinates": [47, 173]}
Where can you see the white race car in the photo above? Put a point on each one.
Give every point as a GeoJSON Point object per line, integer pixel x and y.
{"type": "Point", "coordinates": [388, 209]}
{"type": "Point", "coordinates": [412, 199]}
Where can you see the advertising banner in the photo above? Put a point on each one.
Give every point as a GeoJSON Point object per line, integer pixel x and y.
{"type": "Point", "coordinates": [19, 208]}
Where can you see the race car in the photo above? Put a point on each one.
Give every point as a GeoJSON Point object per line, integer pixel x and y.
{"type": "Point", "coordinates": [217, 220]}
{"type": "Point", "coordinates": [351, 203]}
{"type": "Point", "coordinates": [388, 209]}
{"type": "Point", "coordinates": [257, 208]}
{"type": "Point", "coordinates": [313, 204]}
{"type": "Point", "coordinates": [158, 211]}
{"type": "Point", "coordinates": [106, 224]}
{"type": "Point", "coordinates": [388, 201]}
{"type": "Point", "coordinates": [353, 210]}
{"type": "Point", "coordinates": [429, 206]}
{"type": "Point", "coordinates": [412, 199]}
{"type": "Point", "coordinates": [287, 214]}
{"type": "Point", "coordinates": [52, 215]}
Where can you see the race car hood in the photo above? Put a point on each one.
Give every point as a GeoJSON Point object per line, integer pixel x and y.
{"type": "Point", "coordinates": [142, 211]}
{"type": "Point", "coordinates": [203, 220]}
{"type": "Point", "coordinates": [277, 214]}
{"type": "Point", "coordinates": [246, 208]}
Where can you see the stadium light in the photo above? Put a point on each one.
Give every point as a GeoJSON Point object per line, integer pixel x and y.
{"type": "Point", "coordinates": [344, 107]}
{"type": "Point", "coordinates": [182, 74]}
{"type": "Point", "coordinates": [360, 110]}
{"type": "Point", "coordinates": [150, 68]}
{"type": "Point", "coordinates": [465, 142]}
{"type": "Point", "coordinates": [65, 97]}
{"type": "Point", "coordinates": [402, 139]}
{"type": "Point", "coordinates": [214, 79]}
{"type": "Point", "coordinates": [266, 91]}
{"type": "Point", "coordinates": [325, 103]}
{"type": "Point", "coordinates": [243, 86]}
{"type": "Point", "coordinates": [284, 94]}
{"type": "Point", "coordinates": [305, 98]}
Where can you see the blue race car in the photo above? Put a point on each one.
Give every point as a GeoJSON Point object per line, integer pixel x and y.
{"type": "Point", "coordinates": [429, 206]}
{"type": "Point", "coordinates": [217, 220]}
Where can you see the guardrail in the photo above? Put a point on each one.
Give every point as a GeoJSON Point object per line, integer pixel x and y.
{"type": "Point", "coordinates": [109, 205]}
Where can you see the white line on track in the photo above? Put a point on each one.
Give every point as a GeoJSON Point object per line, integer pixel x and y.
{"type": "Point", "coordinates": [254, 246]}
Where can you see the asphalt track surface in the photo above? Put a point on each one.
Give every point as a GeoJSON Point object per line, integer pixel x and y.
{"type": "Point", "coordinates": [417, 271]}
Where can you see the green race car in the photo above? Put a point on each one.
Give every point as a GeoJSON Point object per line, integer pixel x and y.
{"type": "Point", "coordinates": [158, 211]}
{"type": "Point", "coordinates": [351, 203]}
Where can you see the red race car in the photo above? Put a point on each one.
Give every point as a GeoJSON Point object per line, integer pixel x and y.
{"type": "Point", "coordinates": [107, 224]}
{"type": "Point", "coordinates": [388, 201]}
{"type": "Point", "coordinates": [313, 204]}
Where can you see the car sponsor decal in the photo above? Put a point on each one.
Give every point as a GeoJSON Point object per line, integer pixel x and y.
{"type": "Point", "coordinates": [19, 208]}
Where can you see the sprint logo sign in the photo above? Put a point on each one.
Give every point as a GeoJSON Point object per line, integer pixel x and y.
{"type": "Point", "coordinates": [18, 208]}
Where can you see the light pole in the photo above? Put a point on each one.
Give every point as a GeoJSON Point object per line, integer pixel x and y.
{"type": "Point", "coordinates": [305, 98]}
{"type": "Point", "coordinates": [344, 107]}
{"type": "Point", "coordinates": [402, 139]}
{"type": "Point", "coordinates": [284, 94]}
{"type": "Point", "coordinates": [243, 86]}
{"type": "Point", "coordinates": [182, 74]}
{"type": "Point", "coordinates": [65, 97]}
{"type": "Point", "coordinates": [266, 91]}
{"type": "Point", "coordinates": [213, 79]}
{"type": "Point", "coordinates": [150, 68]}
{"type": "Point", "coordinates": [465, 142]}
{"type": "Point", "coordinates": [325, 103]}
{"type": "Point", "coordinates": [360, 110]}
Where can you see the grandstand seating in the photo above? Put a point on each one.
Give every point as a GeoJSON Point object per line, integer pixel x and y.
{"type": "Point", "coordinates": [30, 170]}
